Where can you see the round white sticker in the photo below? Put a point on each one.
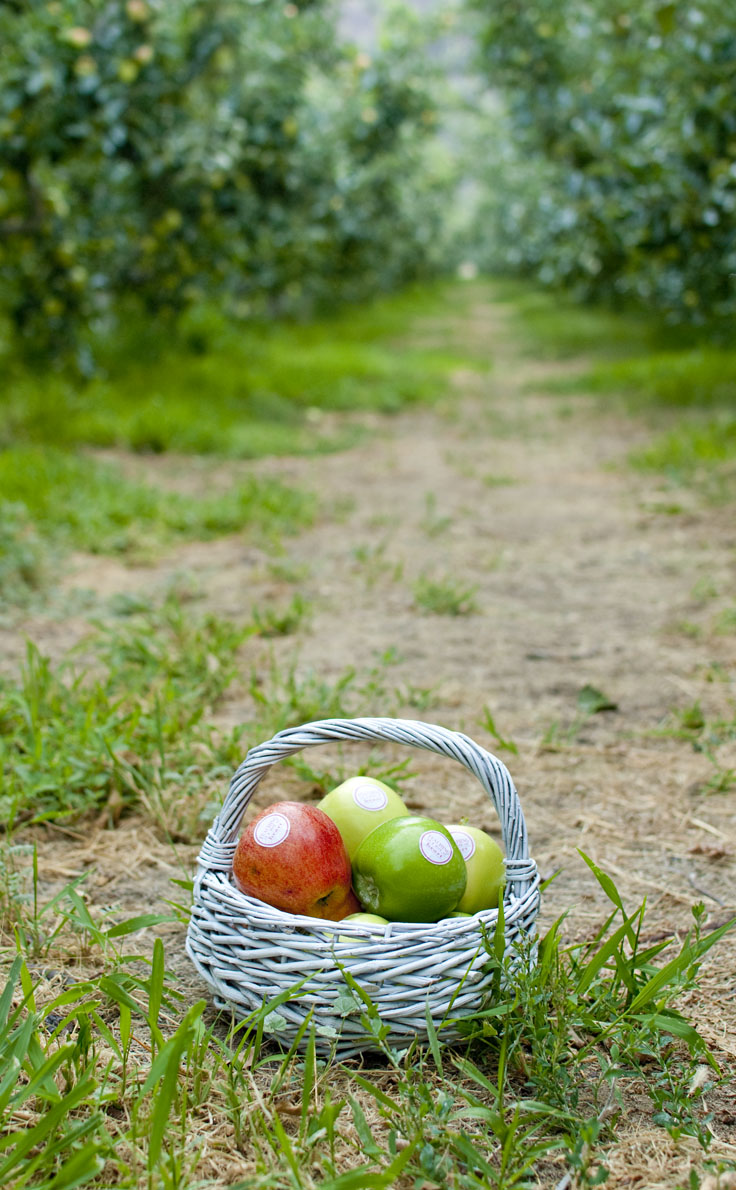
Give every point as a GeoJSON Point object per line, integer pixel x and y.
{"type": "Point", "coordinates": [271, 830]}
{"type": "Point", "coordinates": [370, 797]}
{"type": "Point", "coordinates": [465, 842]}
{"type": "Point", "coordinates": [435, 847]}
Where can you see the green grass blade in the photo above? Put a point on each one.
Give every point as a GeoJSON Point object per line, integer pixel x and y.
{"type": "Point", "coordinates": [138, 923]}
{"type": "Point", "coordinates": [285, 1145]}
{"type": "Point", "coordinates": [377, 1094]}
{"type": "Point", "coordinates": [165, 1070]}
{"type": "Point", "coordinates": [609, 889]}
{"type": "Point", "coordinates": [433, 1041]}
{"type": "Point", "coordinates": [155, 993]}
{"type": "Point", "coordinates": [35, 1137]}
{"type": "Point", "coordinates": [365, 1136]}
{"type": "Point", "coordinates": [6, 999]}
{"type": "Point", "coordinates": [691, 953]}
{"type": "Point", "coordinates": [310, 1059]}
{"type": "Point", "coordinates": [610, 949]}
{"type": "Point", "coordinates": [672, 1022]}
{"type": "Point", "coordinates": [82, 1167]}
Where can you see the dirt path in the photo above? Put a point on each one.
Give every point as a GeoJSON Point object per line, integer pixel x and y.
{"type": "Point", "coordinates": [578, 576]}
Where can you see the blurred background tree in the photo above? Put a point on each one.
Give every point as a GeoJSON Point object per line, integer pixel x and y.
{"type": "Point", "coordinates": [154, 152]}
{"type": "Point", "coordinates": [610, 164]}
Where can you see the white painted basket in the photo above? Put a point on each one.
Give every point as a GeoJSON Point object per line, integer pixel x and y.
{"type": "Point", "coordinates": [250, 952]}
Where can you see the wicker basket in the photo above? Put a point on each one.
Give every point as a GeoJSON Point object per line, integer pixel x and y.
{"type": "Point", "coordinates": [250, 953]}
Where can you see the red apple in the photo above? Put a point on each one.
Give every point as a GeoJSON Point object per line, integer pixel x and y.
{"type": "Point", "coordinates": [292, 857]}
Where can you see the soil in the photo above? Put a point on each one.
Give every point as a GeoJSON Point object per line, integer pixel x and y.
{"type": "Point", "coordinates": [577, 571]}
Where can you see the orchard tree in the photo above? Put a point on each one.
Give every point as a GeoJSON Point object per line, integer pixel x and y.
{"type": "Point", "coordinates": [162, 151]}
{"type": "Point", "coordinates": [613, 169]}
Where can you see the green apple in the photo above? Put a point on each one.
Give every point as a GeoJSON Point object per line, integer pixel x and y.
{"type": "Point", "coordinates": [358, 806]}
{"type": "Point", "coordinates": [484, 861]}
{"type": "Point", "coordinates": [366, 919]}
{"type": "Point", "coordinates": [409, 869]}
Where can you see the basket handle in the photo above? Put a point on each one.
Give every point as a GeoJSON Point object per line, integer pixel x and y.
{"type": "Point", "coordinates": [219, 846]}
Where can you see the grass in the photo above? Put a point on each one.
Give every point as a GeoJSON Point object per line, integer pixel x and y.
{"type": "Point", "coordinates": [694, 389]}
{"type": "Point", "coordinates": [689, 378]}
{"type": "Point", "coordinates": [23, 555]}
{"type": "Point", "coordinates": [444, 596]}
{"type": "Point", "coordinates": [123, 722]}
{"type": "Point", "coordinates": [267, 387]}
{"type": "Point", "coordinates": [696, 451]}
{"type": "Point", "coordinates": [712, 736]}
{"type": "Point", "coordinates": [77, 501]}
{"type": "Point", "coordinates": [683, 383]}
{"type": "Point", "coordinates": [554, 326]}
{"type": "Point", "coordinates": [112, 1078]}
{"type": "Point", "coordinates": [215, 389]}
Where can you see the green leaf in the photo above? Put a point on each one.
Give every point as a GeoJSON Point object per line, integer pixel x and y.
{"type": "Point", "coordinates": [667, 18]}
{"type": "Point", "coordinates": [672, 1022]}
{"type": "Point", "coordinates": [138, 923]}
{"type": "Point", "coordinates": [490, 725]}
{"type": "Point", "coordinates": [590, 701]}
{"type": "Point", "coordinates": [6, 999]}
{"type": "Point", "coordinates": [155, 992]}
{"type": "Point", "coordinates": [164, 1072]}
{"type": "Point", "coordinates": [612, 893]}
{"type": "Point", "coordinates": [380, 1096]}
{"type": "Point", "coordinates": [691, 953]}
{"type": "Point", "coordinates": [432, 1039]}
{"type": "Point", "coordinates": [274, 1022]}
{"type": "Point", "coordinates": [610, 949]}
{"type": "Point", "coordinates": [365, 1136]}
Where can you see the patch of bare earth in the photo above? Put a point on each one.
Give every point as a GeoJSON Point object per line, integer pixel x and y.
{"type": "Point", "coordinates": [579, 576]}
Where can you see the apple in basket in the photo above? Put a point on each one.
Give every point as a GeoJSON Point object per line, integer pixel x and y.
{"type": "Point", "coordinates": [409, 869]}
{"type": "Point", "coordinates": [292, 856]}
{"type": "Point", "coordinates": [358, 806]}
{"type": "Point", "coordinates": [484, 861]}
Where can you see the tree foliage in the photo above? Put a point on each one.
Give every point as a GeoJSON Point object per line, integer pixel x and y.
{"type": "Point", "coordinates": [614, 166]}
{"type": "Point", "coordinates": [160, 150]}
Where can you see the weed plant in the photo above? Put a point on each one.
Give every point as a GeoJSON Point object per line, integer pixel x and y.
{"type": "Point", "coordinates": [287, 696]}
{"type": "Point", "coordinates": [125, 718]}
{"type": "Point", "coordinates": [444, 596]}
{"type": "Point", "coordinates": [282, 620]}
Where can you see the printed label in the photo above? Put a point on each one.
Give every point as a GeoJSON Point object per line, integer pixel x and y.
{"type": "Point", "coordinates": [370, 797]}
{"type": "Point", "coordinates": [271, 830]}
{"type": "Point", "coordinates": [435, 847]}
{"type": "Point", "coordinates": [465, 842]}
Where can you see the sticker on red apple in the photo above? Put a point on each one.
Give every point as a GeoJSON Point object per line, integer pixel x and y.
{"type": "Point", "coordinates": [370, 797]}
{"type": "Point", "coordinates": [435, 847]}
{"type": "Point", "coordinates": [271, 830]}
{"type": "Point", "coordinates": [465, 842]}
